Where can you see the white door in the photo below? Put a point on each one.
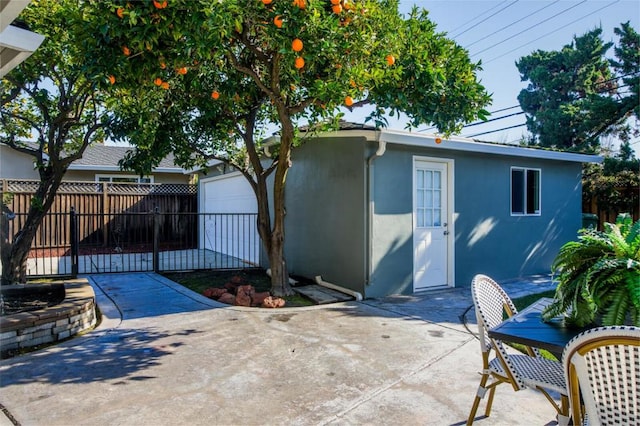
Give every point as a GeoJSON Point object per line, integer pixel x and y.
{"type": "Point", "coordinates": [430, 227]}
{"type": "Point", "coordinates": [228, 225]}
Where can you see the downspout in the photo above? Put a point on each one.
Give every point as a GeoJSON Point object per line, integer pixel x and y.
{"type": "Point", "coordinates": [382, 147]}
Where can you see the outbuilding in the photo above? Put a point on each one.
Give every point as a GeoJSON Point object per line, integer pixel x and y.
{"type": "Point", "coordinates": [394, 212]}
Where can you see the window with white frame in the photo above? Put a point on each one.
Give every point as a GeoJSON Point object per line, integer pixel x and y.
{"type": "Point", "coordinates": [525, 191]}
{"type": "Point", "coordinates": [124, 179]}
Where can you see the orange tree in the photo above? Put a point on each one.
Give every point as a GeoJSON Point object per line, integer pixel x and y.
{"type": "Point", "coordinates": [51, 110]}
{"type": "Point", "coordinates": [206, 80]}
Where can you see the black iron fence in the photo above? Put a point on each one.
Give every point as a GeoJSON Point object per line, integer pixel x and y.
{"type": "Point", "coordinates": [83, 243]}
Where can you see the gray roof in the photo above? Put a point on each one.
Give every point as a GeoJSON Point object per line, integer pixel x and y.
{"type": "Point", "coordinates": [106, 157]}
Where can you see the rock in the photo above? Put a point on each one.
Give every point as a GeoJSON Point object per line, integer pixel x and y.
{"type": "Point", "coordinates": [244, 294]}
{"type": "Point", "coordinates": [218, 292]}
{"type": "Point", "coordinates": [258, 298]}
{"type": "Point", "coordinates": [227, 298]}
{"type": "Point", "coordinates": [208, 292]}
{"type": "Point", "coordinates": [273, 302]}
{"type": "Point", "coordinates": [237, 279]}
{"type": "Point", "coordinates": [231, 287]}
{"type": "Point", "coordinates": [214, 292]}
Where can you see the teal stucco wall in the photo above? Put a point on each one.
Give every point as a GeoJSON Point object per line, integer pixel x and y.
{"type": "Point", "coordinates": [489, 239]}
{"type": "Point", "coordinates": [325, 221]}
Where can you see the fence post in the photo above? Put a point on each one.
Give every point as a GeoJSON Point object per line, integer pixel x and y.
{"type": "Point", "coordinates": [73, 231]}
{"type": "Point", "coordinates": [156, 240]}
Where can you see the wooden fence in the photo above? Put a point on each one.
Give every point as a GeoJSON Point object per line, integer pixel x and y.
{"type": "Point", "coordinates": [105, 201]}
{"type": "Point", "coordinates": [628, 201]}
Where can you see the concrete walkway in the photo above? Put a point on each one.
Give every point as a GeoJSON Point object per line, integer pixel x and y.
{"type": "Point", "coordinates": [166, 356]}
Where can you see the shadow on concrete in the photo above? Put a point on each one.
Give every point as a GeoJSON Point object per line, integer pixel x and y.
{"type": "Point", "coordinates": [122, 355]}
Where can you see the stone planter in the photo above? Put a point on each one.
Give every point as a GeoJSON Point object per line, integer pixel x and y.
{"type": "Point", "coordinates": [76, 313]}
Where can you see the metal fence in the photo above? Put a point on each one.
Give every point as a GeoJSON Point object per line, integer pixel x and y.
{"type": "Point", "coordinates": [83, 243]}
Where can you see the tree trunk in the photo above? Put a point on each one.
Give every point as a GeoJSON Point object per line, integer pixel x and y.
{"type": "Point", "coordinates": [273, 239]}
{"type": "Point", "coordinates": [14, 255]}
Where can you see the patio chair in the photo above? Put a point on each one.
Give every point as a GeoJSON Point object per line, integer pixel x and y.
{"type": "Point", "coordinates": [602, 370]}
{"type": "Point", "coordinates": [520, 371]}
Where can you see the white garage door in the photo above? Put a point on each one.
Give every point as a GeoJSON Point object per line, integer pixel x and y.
{"type": "Point", "coordinates": [228, 225]}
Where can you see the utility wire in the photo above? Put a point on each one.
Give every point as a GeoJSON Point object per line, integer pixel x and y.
{"type": "Point", "coordinates": [548, 34]}
{"type": "Point", "coordinates": [490, 113]}
{"type": "Point", "coordinates": [504, 109]}
{"type": "Point", "coordinates": [511, 24]}
{"type": "Point", "coordinates": [510, 115]}
{"type": "Point", "coordinates": [477, 123]}
{"type": "Point", "coordinates": [598, 83]}
{"type": "Point", "coordinates": [485, 19]}
{"type": "Point", "coordinates": [495, 131]}
{"type": "Point", "coordinates": [476, 17]}
{"type": "Point", "coordinates": [530, 27]}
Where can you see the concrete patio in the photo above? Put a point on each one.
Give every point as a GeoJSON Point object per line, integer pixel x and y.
{"type": "Point", "coordinates": [164, 355]}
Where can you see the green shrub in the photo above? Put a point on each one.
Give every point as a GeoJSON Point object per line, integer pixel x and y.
{"type": "Point", "coordinates": [599, 276]}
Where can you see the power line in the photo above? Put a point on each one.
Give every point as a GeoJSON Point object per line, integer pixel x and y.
{"type": "Point", "coordinates": [485, 19]}
{"type": "Point", "coordinates": [473, 124]}
{"type": "Point", "coordinates": [477, 123]}
{"type": "Point", "coordinates": [495, 131]}
{"type": "Point", "coordinates": [532, 26]}
{"type": "Point", "coordinates": [548, 34]}
{"type": "Point", "coordinates": [511, 24]}
{"type": "Point", "coordinates": [504, 109]}
{"type": "Point", "coordinates": [476, 17]}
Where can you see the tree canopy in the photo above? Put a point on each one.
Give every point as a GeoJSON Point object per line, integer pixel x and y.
{"type": "Point", "coordinates": [576, 94]}
{"type": "Point", "coordinates": [51, 110]}
{"type": "Point", "coordinates": [207, 79]}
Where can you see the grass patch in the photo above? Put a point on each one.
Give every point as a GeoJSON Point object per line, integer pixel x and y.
{"type": "Point", "coordinates": [523, 302]}
{"type": "Point", "coordinates": [199, 281]}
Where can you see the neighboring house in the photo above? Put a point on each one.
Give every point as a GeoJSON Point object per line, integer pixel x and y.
{"type": "Point", "coordinates": [391, 212]}
{"type": "Point", "coordinates": [16, 44]}
{"type": "Point", "coordinates": [98, 164]}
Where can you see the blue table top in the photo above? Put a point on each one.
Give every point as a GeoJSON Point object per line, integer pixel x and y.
{"type": "Point", "coordinates": [528, 328]}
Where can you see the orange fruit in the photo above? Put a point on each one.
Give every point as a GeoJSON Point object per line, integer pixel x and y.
{"type": "Point", "coordinates": [300, 3]}
{"type": "Point", "coordinates": [215, 95]}
{"type": "Point", "coordinates": [352, 83]}
{"type": "Point", "coordinates": [164, 85]}
{"type": "Point", "coordinates": [277, 21]}
{"type": "Point", "coordinates": [348, 101]}
{"type": "Point", "coordinates": [120, 12]}
{"type": "Point", "coordinates": [182, 71]}
{"type": "Point", "coordinates": [297, 45]}
{"type": "Point", "coordinates": [112, 79]}
{"type": "Point", "coordinates": [334, 2]}
{"type": "Point", "coordinates": [157, 81]}
{"type": "Point", "coordinates": [337, 8]}
{"type": "Point", "coordinates": [126, 51]}
{"type": "Point", "coordinates": [267, 1]}
{"type": "Point", "coordinates": [438, 140]}
{"type": "Point", "coordinates": [390, 60]}
{"type": "Point", "coordinates": [163, 65]}
{"type": "Point", "coordinates": [160, 4]}
{"type": "Point", "coordinates": [299, 62]}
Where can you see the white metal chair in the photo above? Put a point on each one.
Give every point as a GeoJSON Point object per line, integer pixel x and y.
{"type": "Point", "coordinates": [602, 370]}
{"type": "Point", "coordinates": [491, 302]}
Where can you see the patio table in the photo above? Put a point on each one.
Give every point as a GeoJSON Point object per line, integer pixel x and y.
{"type": "Point", "coordinates": [528, 328]}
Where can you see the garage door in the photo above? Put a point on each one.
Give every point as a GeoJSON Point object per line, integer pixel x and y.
{"type": "Point", "coordinates": [228, 222]}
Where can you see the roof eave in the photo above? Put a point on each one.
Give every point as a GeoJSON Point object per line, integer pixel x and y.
{"type": "Point", "coordinates": [470, 145]}
{"type": "Point", "coordinates": [102, 168]}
